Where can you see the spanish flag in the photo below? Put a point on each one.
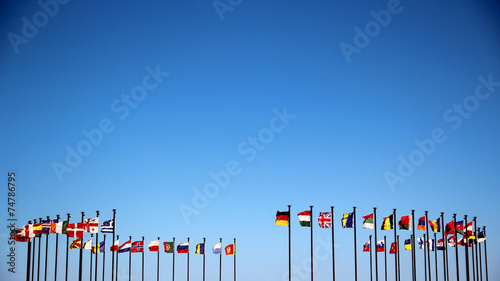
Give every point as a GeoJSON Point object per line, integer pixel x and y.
{"type": "Point", "coordinates": [387, 223]}
{"type": "Point", "coordinates": [282, 218]}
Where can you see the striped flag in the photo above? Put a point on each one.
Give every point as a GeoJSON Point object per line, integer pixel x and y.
{"type": "Point", "coordinates": [216, 249]}
{"type": "Point", "coordinates": [154, 246]}
{"type": "Point", "coordinates": [368, 223]}
{"type": "Point", "coordinates": [88, 244]}
{"type": "Point", "coordinates": [305, 218]}
{"type": "Point", "coordinates": [107, 226]}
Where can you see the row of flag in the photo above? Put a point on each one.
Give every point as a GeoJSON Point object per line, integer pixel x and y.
{"type": "Point", "coordinates": [347, 221]}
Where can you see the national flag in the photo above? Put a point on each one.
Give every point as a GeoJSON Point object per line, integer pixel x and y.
{"type": "Point", "coordinates": [347, 220]}
{"type": "Point", "coordinates": [19, 238]}
{"type": "Point", "coordinates": [76, 244]}
{"type": "Point", "coordinates": [461, 242]}
{"type": "Point", "coordinates": [282, 218]}
{"type": "Point", "coordinates": [405, 222]}
{"type": "Point", "coordinates": [368, 223]}
{"type": "Point", "coordinates": [388, 223]}
{"type": "Point", "coordinates": [420, 242]}
{"type": "Point", "coordinates": [230, 250]}
{"type": "Point", "coordinates": [107, 226]}
{"type": "Point", "coordinates": [154, 246]}
{"type": "Point", "coordinates": [440, 245]}
{"type": "Point", "coordinates": [435, 225]}
{"type": "Point", "coordinates": [75, 230]}
{"type": "Point", "coordinates": [451, 241]}
{"type": "Point", "coordinates": [408, 244]}
{"type": "Point", "coordinates": [421, 223]}
{"type": "Point", "coordinates": [169, 247]}
{"type": "Point", "coordinates": [91, 225]}
{"type": "Point", "coordinates": [431, 244]}
{"type": "Point", "coordinates": [46, 227]}
{"type": "Point", "coordinates": [88, 244]}
{"type": "Point", "coordinates": [125, 247]}
{"type": "Point", "coordinates": [366, 246]}
{"type": "Point", "coordinates": [27, 231]}
{"type": "Point", "coordinates": [56, 226]}
{"type": "Point", "coordinates": [471, 239]}
{"type": "Point", "coordinates": [381, 246]}
{"type": "Point", "coordinates": [37, 228]}
{"type": "Point", "coordinates": [64, 227]}
{"type": "Point", "coordinates": [137, 247]}
{"type": "Point", "coordinates": [183, 248]}
{"type": "Point", "coordinates": [115, 246]}
{"type": "Point", "coordinates": [460, 227]}
{"type": "Point", "coordinates": [200, 249]}
{"type": "Point", "coordinates": [100, 248]}
{"type": "Point", "coordinates": [216, 249]}
{"type": "Point", "coordinates": [450, 228]}
{"type": "Point", "coordinates": [480, 237]}
{"type": "Point", "coordinates": [305, 218]}
{"type": "Point", "coordinates": [325, 219]}
{"type": "Point", "coordinates": [393, 249]}
{"type": "Point", "coordinates": [470, 228]}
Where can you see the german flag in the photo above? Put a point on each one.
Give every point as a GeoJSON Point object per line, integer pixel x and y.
{"type": "Point", "coordinates": [282, 218]}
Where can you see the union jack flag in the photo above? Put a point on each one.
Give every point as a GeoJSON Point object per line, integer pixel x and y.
{"type": "Point", "coordinates": [325, 220]}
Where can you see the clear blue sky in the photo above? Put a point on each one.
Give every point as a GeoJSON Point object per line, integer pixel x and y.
{"type": "Point", "coordinates": [133, 106]}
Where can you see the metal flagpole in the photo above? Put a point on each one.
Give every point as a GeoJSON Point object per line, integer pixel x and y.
{"type": "Point", "coordinates": [413, 248]}
{"type": "Point", "coordinates": [28, 260]}
{"type": "Point", "coordinates": [96, 244]}
{"type": "Point", "coordinates": [57, 250]}
{"type": "Point", "coordinates": [427, 244]}
{"type": "Point", "coordinates": [412, 258]}
{"type": "Point", "coordinates": [204, 246]}
{"type": "Point", "coordinates": [371, 270]}
{"type": "Point", "coordinates": [376, 241]}
{"type": "Point", "coordinates": [220, 261]}
{"type": "Point", "coordinates": [485, 254]}
{"type": "Point", "coordinates": [393, 222]}
{"type": "Point", "coordinates": [385, 256]}
{"type": "Point", "coordinates": [473, 261]}
{"type": "Point", "coordinates": [355, 246]}
{"type": "Point", "coordinates": [117, 255]}
{"type": "Point", "coordinates": [399, 259]}
{"type": "Point", "coordinates": [33, 261]}
{"type": "Point", "coordinates": [425, 258]}
{"type": "Point", "coordinates": [310, 221]}
{"type": "Point", "coordinates": [103, 257]}
{"type": "Point", "coordinates": [480, 258]}
{"type": "Point", "coordinates": [188, 261]}
{"type": "Point", "coordinates": [444, 247]}
{"type": "Point", "coordinates": [90, 275]}
{"type": "Point", "coordinates": [113, 252]}
{"type": "Point", "coordinates": [290, 246]}
{"type": "Point", "coordinates": [158, 262]}
{"type": "Point", "coordinates": [46, 249]}
{"type": "Point", "coordinates": [435, 255]}
{"type": "Point", "coordinates": [333, 244]}
{"type": "Point", "coordinates": [456, 245]}
{"type": "Point", "coordinates": [67, 248]}
{"type": "Point", "coordinates": [130, 260]}
{"type": "Point", "coordinates": [234, 256]}
{"type": "Point", "coordinates": [173, 260]}
{"type": "Point", "coordinates": [467, 269]}
{"type": "Point", "coordinates": [39, 246]}
{"type": "Point", "coordinates": [475, 242]}
{"type": "Point", "coordinates": [142, 274]}
{"type": "Point", "coordinates": [81, 255]}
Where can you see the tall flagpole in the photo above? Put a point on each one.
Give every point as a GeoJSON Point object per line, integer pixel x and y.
{"type": "Point", "coordinates": [113, 252]}
{"type": "Point", "coordinates": [485, 254]}
{"type": "Point", "coordinates": [412, 258]}
{"type": "Point", "coordinates": [456, 244]}
{"type": "Point", "coordinates": [444, 247]}
{"type": "Point", "coordinates": [333, 244]}
{"type": "Point", "coordinates": [220, 261]}
{"type": "Point", "coordinates": [130, 260]}
{"type": "Point", "coordinates": [399, 259]}
{"type": "Point", "coordinates": [395, 241]}
{"type": "Point", "coordinates": [67, 248]}
{"type": "Point", "coordinates": [57, 249]}
{"type": "Point", "coordinates": [81, 255]}
{"type": "Point", "coordinates": [480, 258]}
{"type": "Point", "coordinates": [413, 244]}
{"type": "Point", "coordinates": [90, 264]}
{"type": "Point", "coordinates": [435, 255]}
{"type": "Point", "coordinates": [142, 274]}
{"type": "Point", "coordinates": [475, 240]}
{"type": "Point", "coordinates": [425, 257]}
{"type": "Point", "coordinates": [204, 247]}
{"type": "Point", "coordinates": [467, 270]}
{"type": "Point", "coordinates": [355, 247]}
{"type": "Point", "coordinates": [310, 218]}
{"type": "Point", "coordinates": [290, 246]}
{"type": "Point", "coordinates": [39, 247]}
{"type": "Point", "coordinates": [117, 255]}
{"type": "Point", "coordinates": [376, 241]}
{"type": "Point", "coordinates": [158, 262]}
{"type": "Point", "coordinates": [427, 244]}
{"type": "Point", "coordinates": [28, 260]}
{"type": "Point", "coordinates": [234, 256]}
{"type": "Point", "coordinates": [385, 256]}
{"type": "Point", "coordinates": [34, 252]}
{"type": "Point", "coordinates": [188, 262]}
{"type": "Point", "coordinates": [371, 270]}
{"type": "Point", "coordinates": [103, 257]}
{"type": "Point", "coordinates": [173, 260]}
{"type": "Point", "coordinates": [46, 249]}
{"type": "Point", "coordinates": [96, 243]}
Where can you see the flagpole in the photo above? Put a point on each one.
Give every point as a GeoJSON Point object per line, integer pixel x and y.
{"type": "Point", "coordinates": [57, 247]}
{"type": "Point", "coordinates": [413, 249]}
{"type": "Point", "coordinates": [425, 258]}
{"type": "Point", "coordinates": [117, 255]}
{"type": "Point", "coordinates": [395, 237]}
{"type": "Point", "coordinates": [399, 259]}
{"type": "Point", "coordinates": [475, 240]}
{"type": "Point", "coordinates": [96, 242]}
{"type": "Point", "coordinates": [220, 261]}
{"type": "Point", "coordinates": [46, 250]}
{"type": "Point", "coordinates": [204, 246]}
{"type": "Point", "coordinates": [480, 258]}
{"type": "Point", "coordinates": [333, 244]}
{"type": "Point", "coordinates": [371, 270]}
{"type": "Point", "coordinates": [289, 246]}
{"type": "Point", "coordinates": [444, 246]}
{"type": "Point", "coordinates": [310, 221]}
{"type": "Point", "coordinates": [113, 252]}
{"type": "Point", "coordinates": [436, 255]}
{"type": "Point", "coordinates": [103, 257]}
{"type": "Point", "coordinates": [412, 258]}
{"type": "Point", "coordinates": [81, 255]}
{"type": "Point", "coordinates": [90, 264]}
{"type": "Point", "coordinates": [234, 256]}
{"type": "Point", "coordinates": [376, 241]}
{"type": "Point", "coordinates": [472, 254]}
{"type": "Point", "coordinates": [142, 274]}
{"type": "Point", "coordinates": [158, 262]}
{"type": "Point", "coordinates": [485, 253]}
{"type": "Point", "coordinates": [187, 261]}
{"type": "Point", "coordinates": [355, 248]}
{"type": "Point", "coordinates": [173, 259]}
{"type": "Point", "coordinates": [130, 259]}
{"type": "Point", "coordinates": [427, 244]}
{"type": "Point", "coordinates": [28, 260]}
{"type": "Point", "coordinates": [456, 244]}
{"type": "Point", "coordinates": [39, 247]}
{"type": "Point", "coordinates": [385, 256]}
{"type": "Point", "coordinates": [467, 269]}
{"type": "Point", "coordinates": [34, 252]}
{"type": "Point", "coordinates": [67, 248]}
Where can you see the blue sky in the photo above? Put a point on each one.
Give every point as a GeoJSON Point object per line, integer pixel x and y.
{"type": "Point", "coordinates": [263, 96]}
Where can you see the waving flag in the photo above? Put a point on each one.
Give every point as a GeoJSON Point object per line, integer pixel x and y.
{"type": "Point", "coordinates": [435, 225]}
{"type": "Point", "coordinates": [183, 248]}
{"type": "Point", "coordinates": [408, 244]}
{"type": "Point", "coordinates": [460, 227]}
{"type": "Point", "coordinates": [56, 226]}
{"type": "Point", "coordinates": [440, 245]}
{"type": "Point", "coordinates": [88, 244]}
{"type": "Point", "coordinates": [368, 223]}
{"type": "Point", "coordinates": [470, 228]}
{"type": "Point", "coordinates": [405, 222]}
{"type": "Point", "coordinates": [216, 249]}
{"type": "Point", "coordinates": [75, 244]}
{"type": "Point", "coordinates": [347, 220]}
{"type": "Point", "coordinates": [115, 246]}
{"type": "Point", "coordinates": [37, 228]}
{"type": "Point", "coordinates": [91, 225]}
{"type": "Point", "coordinates": [125, 247]}
{"type": "Point", "coordinates": [431, 244]}
{"type": "Point", "coordinates": [387, 223]}
{"type": "Point", "coordinates": [381, 246]}
{"type": "Point", "coordinates": [100, 248]}
{"type": "Point", "coordinates": [46, 227]}
{"type": "Point", "coordinates": [305, 218]}
{"type": "Point", "coordinates": [393, 249]}
{"type": "Point", "coordinates": [481, 237]}
{"type": "Point", "coordinates": [200, 249]}
{"type": "Point", "coordinates": [366, 246]}
{"type": "Point", "coordinates": [27, 231]}
{"type": "Point", "coordinates": [154, 246]}
{"type": "Point", "coordinates": [75, 230]}
{"type": "Point", "coordinates": [325, 220]}
{"type": "Point", "coordinates": [107, 226]}
{"type": "Point", "coordinates": [421, 223]}
{"type": "Point", "coordinates": [451, 241]}
{"type": "Point", "coordinates": [282, 218]}
{"type": "Point", "coordinates": [230, 250]}
{"type": "Point", "coordinates": [169, 247]}
{"type": "Point", "coordinates": [421, 242]}
{"type": "Point", "coordinates": [450, 228]}
{"type": "Point", "coordinates": [137, 247]}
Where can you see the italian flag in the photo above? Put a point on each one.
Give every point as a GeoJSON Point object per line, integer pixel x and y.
{"type": "Point", "coordinates": [305, 218]}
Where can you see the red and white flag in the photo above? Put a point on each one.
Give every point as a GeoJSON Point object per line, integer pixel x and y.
{"type": "Point", "coordinates": [115, 247]}
{"type": "Point", "coordinates": [154, 246]}
{"type": "Point", "coordinates": [75, 230]}
{"type": "Point", "coordinates": [91, 225]}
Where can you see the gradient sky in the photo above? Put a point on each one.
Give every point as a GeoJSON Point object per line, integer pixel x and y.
{"type": "Point", "coordinates": [262, 96]}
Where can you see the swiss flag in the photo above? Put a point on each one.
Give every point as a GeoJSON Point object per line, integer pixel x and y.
{"type": "Point", "coordinates": [75, 230]}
